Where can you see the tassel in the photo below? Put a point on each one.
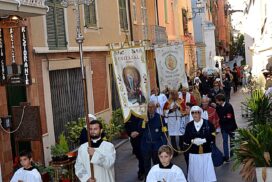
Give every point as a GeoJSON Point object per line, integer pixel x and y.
{"type": "Point", "coordinates": [143, 124]}
{"type": "Point", "coordinates": [200, 150]}
{"type": "Point", "coordinates": [164, 129]}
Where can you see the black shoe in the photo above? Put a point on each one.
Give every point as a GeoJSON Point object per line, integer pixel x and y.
{"type": "Point", "coordinates": [226, 159]}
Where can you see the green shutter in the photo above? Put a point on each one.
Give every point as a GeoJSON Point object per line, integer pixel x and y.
{"type": "Point", "coordinates": [90, 15]}
{"type": "Point", "coordinates": [56, 37]}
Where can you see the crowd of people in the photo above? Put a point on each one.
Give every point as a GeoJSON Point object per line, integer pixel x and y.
{"type": "Point", "coordinates": [187, 120]}
{"type": "Point", "coordinates": [183, 121]}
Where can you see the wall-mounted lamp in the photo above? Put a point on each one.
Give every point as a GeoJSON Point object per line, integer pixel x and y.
{"type": "Point", "coordinates": [11, 19]}
{"type": "Point", "coordinates": [5, 121]}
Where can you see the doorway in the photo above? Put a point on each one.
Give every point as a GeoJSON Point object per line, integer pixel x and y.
{"type": "Point", "coordinates": [15, 95]}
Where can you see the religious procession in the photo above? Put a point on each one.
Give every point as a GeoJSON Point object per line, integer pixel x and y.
{"type": "Point", "coordinates": [135, 91]}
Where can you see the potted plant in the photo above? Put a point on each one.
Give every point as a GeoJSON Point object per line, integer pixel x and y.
{"type": "Point", "coordinates": [60, 150]}
{"type": "Point", "coordinates": [73, 131]}
{"type": "Point", "coordinates": [259, 108]}
{"type": "Point", "coordinates": [46, 172]}
{"type": "Point", "coordinates": [115, 128]}
{"type": "Point", "coordinates": [117, 122]}
{"type": "Point", "coordinates": [253, 150]}
{"type": "Point", "coordinates": [65, 175]}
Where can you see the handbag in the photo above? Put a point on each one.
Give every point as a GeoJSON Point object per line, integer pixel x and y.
{"type": "Point", "coordinates": [217, 156]}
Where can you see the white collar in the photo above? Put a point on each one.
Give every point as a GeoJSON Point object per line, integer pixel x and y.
{"type": "Point", "coordinates": [198, 125]}
{"type": "Point", "coordinates": [223, 104]}
{"type": "Point", "coordinates": [95, 140]}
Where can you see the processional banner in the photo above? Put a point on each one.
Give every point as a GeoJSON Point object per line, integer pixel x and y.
{"type": "Point", "coordinates": [170, 66]}
{"type": "Point", "coordinates": [130, 72]}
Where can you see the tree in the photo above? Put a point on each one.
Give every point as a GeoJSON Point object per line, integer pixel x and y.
{"type": "Point", "coordinates": [238, 46]}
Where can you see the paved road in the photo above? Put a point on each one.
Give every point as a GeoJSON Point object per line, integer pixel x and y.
{"type": "Point", "coordinates": [126, 164]}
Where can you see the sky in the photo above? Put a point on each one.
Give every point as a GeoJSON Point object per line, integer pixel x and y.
{"type": "Point", "coordinates": [238, 17]}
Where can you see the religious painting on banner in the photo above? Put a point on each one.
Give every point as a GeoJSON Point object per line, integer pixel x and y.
{"type": "Point", "coordinates": [130, 72]}
{"type": "Point", "coordinates": [170, 66]}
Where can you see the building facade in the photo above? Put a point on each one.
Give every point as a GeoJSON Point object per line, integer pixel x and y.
{"type": "Point", "coordinates": [258, 39]}
{"type": "Point", "coordinates": [221, 20]}
{"type": "Point", "coordinates": [17, 82]}
{"type": "Point", "coordinates": [204, 31]}
{"type": "Point", "coordinates": [56, 53]}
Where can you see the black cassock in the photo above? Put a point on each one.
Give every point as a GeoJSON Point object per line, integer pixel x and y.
{"type": "Point", "coordinates": [206, 131]}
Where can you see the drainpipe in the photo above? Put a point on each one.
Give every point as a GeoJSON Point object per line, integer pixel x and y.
{"type": "Point", "coordinates": [130, 21]}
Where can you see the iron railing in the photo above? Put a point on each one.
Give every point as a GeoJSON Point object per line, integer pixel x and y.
{"type": "Point", "coordinates": [154, 33]}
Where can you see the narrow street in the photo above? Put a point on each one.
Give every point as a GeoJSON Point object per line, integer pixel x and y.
{"type": "Point", "coordinates": [126, 164]}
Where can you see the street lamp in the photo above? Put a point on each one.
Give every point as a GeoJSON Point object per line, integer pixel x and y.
{"type": "Point", "coordinates": [79, 40]}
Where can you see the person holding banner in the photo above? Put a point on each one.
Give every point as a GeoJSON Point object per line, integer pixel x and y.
{"type": "Point", "coordinates": [173, 114]}
{"type": "Point", "coordinates": [159, 99]}
{"type": "Point", "coordinates": [153, 137]}
{"type": "Point", "coordinates": [102, 157]}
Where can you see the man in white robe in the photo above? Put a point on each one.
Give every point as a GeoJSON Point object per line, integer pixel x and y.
{"type": "Point", "coordinates": [173, 114]}
{"type": "Point", "coordinates": [102, 155]}
{"type": "Point", "coordinates": [159, 99]}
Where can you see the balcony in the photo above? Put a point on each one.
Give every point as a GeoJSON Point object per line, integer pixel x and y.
{"type": "Point", "coordinates": [23, 8]}
{"type": "Point", "coordinates": [154, 33]}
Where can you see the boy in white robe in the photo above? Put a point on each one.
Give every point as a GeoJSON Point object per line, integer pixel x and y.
{"type": "Point", "coordinates": [27, 172]}
{"type": "Point", "coordinates": [102, 157]}
{"type": "Point", "coordinates": [165, 171]}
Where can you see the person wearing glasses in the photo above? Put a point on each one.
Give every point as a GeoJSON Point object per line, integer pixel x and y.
{"type": "Point", "coordinates": [200, 133]}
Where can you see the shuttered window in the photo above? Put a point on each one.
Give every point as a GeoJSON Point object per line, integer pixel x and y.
{"type": "Point", "coordinates": [90, 14]}
{"type": "Point", "coordinates": [56, 37]}
{"type": "Point", "coordinates": [144, 12]}
{"type": "Point", "coordinates": [185, 22]}
{"type": "Point", "coordinates": [67, 97]}
{"type": "Point", "coordinates": [123, 14]}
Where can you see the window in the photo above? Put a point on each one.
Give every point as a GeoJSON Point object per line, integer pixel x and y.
{"type": "Point", "coordinates": [144, 12]}
{"type": "Point", "coordinates": [90, 14]}
{"type": "Point", "coordinates": [185, 22]}
{"type": "Point", "coordinates": [123, 14]}
{"type": "Point", "coordinates": [134, 11]}
{"type": "Point", "coordinates": [56, 37]}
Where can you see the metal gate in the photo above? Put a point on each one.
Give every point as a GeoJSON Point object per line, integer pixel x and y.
{"type": "Point", "coordinates": [67, 97]}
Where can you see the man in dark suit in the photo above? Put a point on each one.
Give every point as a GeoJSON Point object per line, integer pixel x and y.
{"type": "Point", "coordinates": [153, 137]}
{"type": "Point", "coordinates": [133, 127]}
{"type": "Point", "coordinates": [227, 122]}
{"type": "Point", "coordinates": [215, 91]}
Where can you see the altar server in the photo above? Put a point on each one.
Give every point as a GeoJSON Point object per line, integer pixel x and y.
{"type": "Point", "coordinates": [27, 172]}
{"type": "Point", "coordinates": [165, 171]}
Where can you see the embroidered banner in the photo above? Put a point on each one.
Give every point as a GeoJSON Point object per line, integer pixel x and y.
{"type": "Point", "coordinates": [3, 71]}
{"type": "Point", "coordinates": [170, 66]}
{"type": "Point", "coordinates": [130, 72]}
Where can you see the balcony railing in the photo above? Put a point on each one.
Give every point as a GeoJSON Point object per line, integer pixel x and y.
{"type": "Point", "coordinates": [23, 8]}
{"type": "Point", "coordinates": [36, 3]}
{"type": "Point", "coordinates": [154, 33]}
